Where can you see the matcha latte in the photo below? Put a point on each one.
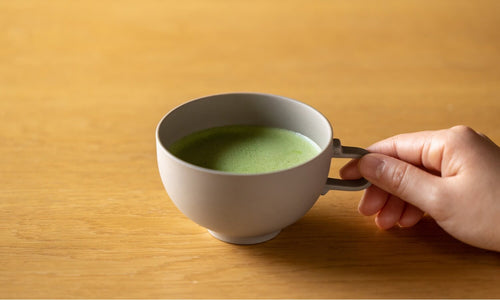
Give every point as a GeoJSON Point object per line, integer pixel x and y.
{"type": "Point", "coordinates": [245, 149]}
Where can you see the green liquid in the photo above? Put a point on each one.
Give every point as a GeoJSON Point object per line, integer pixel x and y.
{"type": "Point", "coordinates": [245, 149]}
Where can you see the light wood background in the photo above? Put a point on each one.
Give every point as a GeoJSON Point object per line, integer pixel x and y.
{"type": "Point", "coordinates": [83, 84]}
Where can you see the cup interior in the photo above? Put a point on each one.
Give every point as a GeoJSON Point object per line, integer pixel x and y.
{"type": "Point", "coordinates": [244, 109]}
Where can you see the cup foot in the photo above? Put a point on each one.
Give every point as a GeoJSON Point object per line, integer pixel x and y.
{"type": "Point", "coordinates": [247, 240]}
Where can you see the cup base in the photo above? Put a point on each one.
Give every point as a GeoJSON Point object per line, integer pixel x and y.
{"type": "Point", "coordinates": [247, 240]}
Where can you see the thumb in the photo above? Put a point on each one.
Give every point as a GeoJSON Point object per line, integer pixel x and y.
{"type": "Point", "coordinates": [400, 178]}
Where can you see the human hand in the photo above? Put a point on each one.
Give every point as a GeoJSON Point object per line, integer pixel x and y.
{"type": "Point", "coordinates": [452, 174]}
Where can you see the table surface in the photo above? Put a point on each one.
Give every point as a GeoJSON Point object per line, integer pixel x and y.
{"type": "Point", "coordinates": [83, 84]}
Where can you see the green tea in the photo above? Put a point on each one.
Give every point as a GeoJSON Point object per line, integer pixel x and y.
{"type": "Point", "coordinates": [245, 149]}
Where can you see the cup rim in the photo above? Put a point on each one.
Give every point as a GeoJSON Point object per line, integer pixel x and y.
{"type": "Point", "coordinates": [217, 172]}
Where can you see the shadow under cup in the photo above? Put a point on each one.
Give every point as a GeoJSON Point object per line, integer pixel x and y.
{"type": "Point", "coordinates": [244, 208]}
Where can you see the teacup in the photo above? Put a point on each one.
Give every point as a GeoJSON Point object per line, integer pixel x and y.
{"type": "Point", "coordinates": [249, 208]}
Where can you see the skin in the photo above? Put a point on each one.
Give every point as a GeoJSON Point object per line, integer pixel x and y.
{"type": "Point", "coordinates": [453, 175]}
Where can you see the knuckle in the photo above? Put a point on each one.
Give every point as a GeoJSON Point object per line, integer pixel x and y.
{"type": "Point", "coordinates": [460, 134]}
{"type": "Point", "coordinates": [462, 131]}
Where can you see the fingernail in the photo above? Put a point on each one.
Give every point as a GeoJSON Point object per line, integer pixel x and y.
{"type": "Point", "coordinates": [371, 166]}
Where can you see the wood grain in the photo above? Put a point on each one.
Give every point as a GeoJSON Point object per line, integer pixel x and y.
{"type": "Point", "coordinates": [83, 84]}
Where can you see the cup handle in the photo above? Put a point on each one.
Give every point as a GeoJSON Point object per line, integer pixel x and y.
{"type": "Point", "coordinates": [340, 151]}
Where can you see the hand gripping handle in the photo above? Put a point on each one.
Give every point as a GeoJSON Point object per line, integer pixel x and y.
{"type": "Point", "coordinates": [340, 151]}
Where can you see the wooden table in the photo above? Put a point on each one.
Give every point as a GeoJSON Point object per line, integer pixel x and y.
{"type": "Point", "coordinates": [83, 213]}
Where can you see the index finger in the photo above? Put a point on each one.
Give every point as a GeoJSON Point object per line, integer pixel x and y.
{"type": "Point", "coordinates": [423, 149]}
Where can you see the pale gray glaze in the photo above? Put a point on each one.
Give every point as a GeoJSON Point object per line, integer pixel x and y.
{"type": "Point", "coordinates": [249, 208]}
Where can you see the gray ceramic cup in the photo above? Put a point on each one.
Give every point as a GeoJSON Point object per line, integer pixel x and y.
{"type": "Point", "coordinates": [249, 208]}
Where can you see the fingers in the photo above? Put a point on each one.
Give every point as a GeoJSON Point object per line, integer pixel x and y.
{"type": "Point", "coordinates": [350, 170]}
{"type": "Point", "coordinates": [427, 148]}
{"type": "Point", "coordinates": [403, 167]}
{"type": "Point", "coordinates": [391, 209]}
{"type": "Point", "coordinates": [401, 179]}
{"type": "Point", "coordinates": [373, 201]}
{"type": "Point", "coordinates": [411, 216]}
{"type": "Point", "coordinates": [390, 213]}
{"type": "Point", "coordinates": [424, 148]}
